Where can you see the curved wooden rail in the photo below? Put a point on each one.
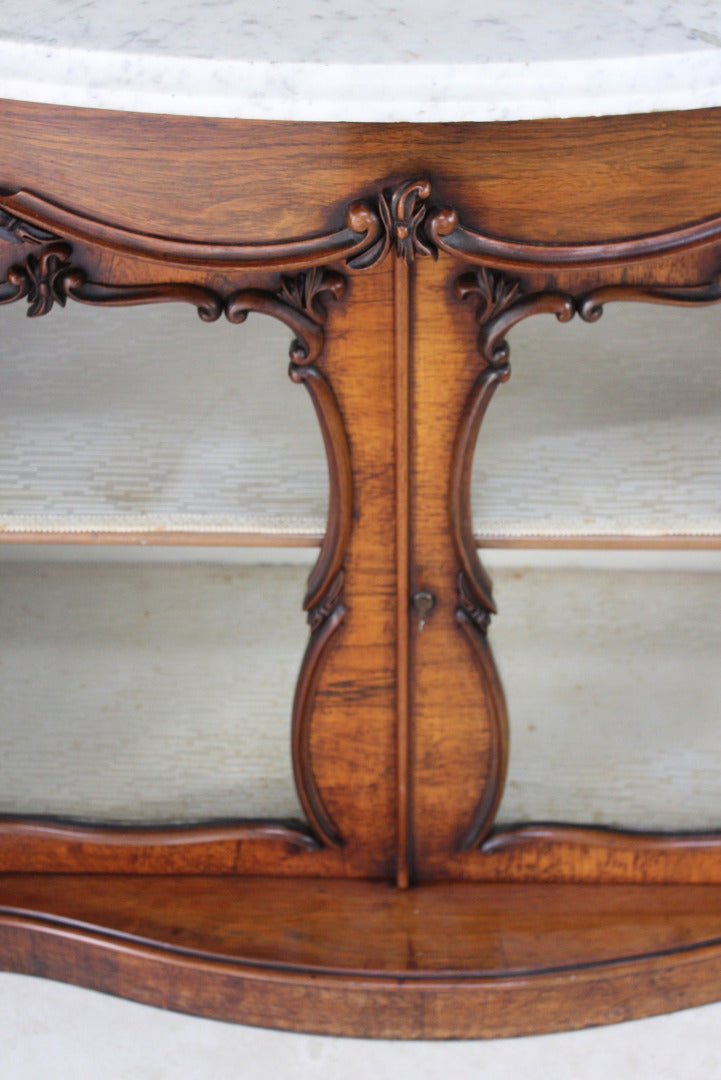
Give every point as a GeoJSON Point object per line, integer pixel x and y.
{"type": "Point", "coordinates": [30, 217]}
{"type": "Point", "coordinates": [311, 801]}
{"type": "Point", "coordinates": [438, 961]}
{"type": "Point", "coordinates": [449, 234]}
{"type": "Point", "coordinates": [51, 846]}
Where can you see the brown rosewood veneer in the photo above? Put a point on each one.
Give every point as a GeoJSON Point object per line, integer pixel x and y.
{"type": "Point", "coordinates": [364, 958]}
{"type": "Point", "coordinates": [400, 257]}
{"type": "Point", "coordinates": [551, 180]}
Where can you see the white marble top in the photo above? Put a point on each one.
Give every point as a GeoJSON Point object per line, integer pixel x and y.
{"type": "Point", "coordinates": [378, 60]}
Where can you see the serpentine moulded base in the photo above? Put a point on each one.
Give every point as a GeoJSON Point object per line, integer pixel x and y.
{"type": "Point", "coordinates": [451, 960]}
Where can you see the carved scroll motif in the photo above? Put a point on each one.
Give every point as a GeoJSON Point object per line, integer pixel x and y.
{"type": "Point", "coordinates": [590, 306]}
{"type": "Point", "coordinates": [370, 229]}
{"type": "Point", "coordinates": [501, 303]}
{"type": "Point", "coordinates": [400, 218]}
{"type": "Point", "coordinates": [394, 220]}
{"type": "Point", "coordinates": [51, 278]}
{"type": "Point", "coordinates": [446, 232]}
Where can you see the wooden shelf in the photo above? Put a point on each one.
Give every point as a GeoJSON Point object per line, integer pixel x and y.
{"type": "Point", "coordinates": [389, 902]}
{"type": "Point", "coordinates": [448, 960]}
{"type": "Point", "coordinates": [161, 538]}
{"type": "Point", "coordinates": [601, 543]}
{"type": "Point", "coordinates": [200, 538]}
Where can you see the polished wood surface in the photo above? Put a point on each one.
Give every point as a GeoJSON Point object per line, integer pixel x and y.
{"type": "Point", "coordinates": [365, 958]}
{"type": "Point", "coordinates": [401, 257]}
{"type": "Point", "coordinates": [577, 180]}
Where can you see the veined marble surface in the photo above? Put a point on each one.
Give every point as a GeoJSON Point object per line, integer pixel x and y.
{"type": "Point", "coordinates": [364, 60]}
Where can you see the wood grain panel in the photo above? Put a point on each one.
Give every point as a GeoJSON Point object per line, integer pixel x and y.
{"type": "Point", "coordinates": [576, 180]}
{"type": "Point", "coordinates": [352, 742]}
{"type": "Point", "coordinates": [455, 695]}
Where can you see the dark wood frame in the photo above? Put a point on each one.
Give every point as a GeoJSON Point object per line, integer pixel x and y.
{"type": "Point", "coordinates": [397, 908]}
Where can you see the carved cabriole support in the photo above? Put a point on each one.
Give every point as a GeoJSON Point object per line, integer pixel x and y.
{"type": "Point", "coordinates": [300, 305]}
{"type": "Point", "coordinates": [51, 277]}
{"type": "Point", "coordinates": [548, 852]}
{"type": "Point", "coordinates": [499, 305]}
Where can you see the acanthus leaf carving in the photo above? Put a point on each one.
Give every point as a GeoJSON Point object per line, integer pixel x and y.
{"type": "Point", "coordinates": [298, 303]}
{"type": "Point", "coordinates": [51, 278]}
{"type": "Point", "coordinates": [495, 292]}
{"type": "Point", "coordinates": [305, 291]}
{"type": "Point", "coordinates": [396, 222]}
{"type": "Point", "coordinates": [404, 216]}
{"type": "Point", "coordinates": [45, 279]}
{"type": "Point", "coordinates": [501, 304]}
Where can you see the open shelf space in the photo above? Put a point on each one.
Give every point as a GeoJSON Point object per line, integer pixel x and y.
{"type": "Point", "coordinates": [149, 426]}
{"type": "Point", "coordinates": [597, 651]}
{"type": "Point", "coordinates": [145, 690]}
{"type": "Point", "coordinates": [608, 434]}
{"type": "Point", "coordinates": [152, 684]}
